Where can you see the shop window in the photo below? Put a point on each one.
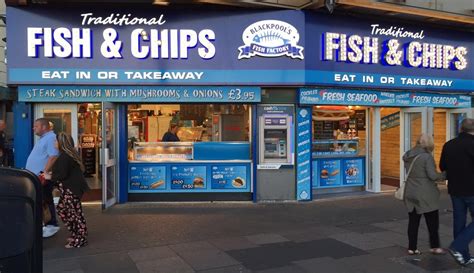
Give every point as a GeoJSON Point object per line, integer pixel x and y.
{"type": "Point", "coordinates": [149, 123]}
{"type": "Point", "coordinates": [339, 146]}
{"type": "Point", "coordinates": [339, 130]}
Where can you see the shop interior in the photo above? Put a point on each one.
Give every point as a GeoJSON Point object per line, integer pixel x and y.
{"type": "Point", "coordinates": [147, 124]}
{"type": "Point", "coordinates": [344, 132]}
{"type": "Point", "coordinates": [390, 139]}
{"type": "Point", "coordinates": [88, 139]}
{"type": "Point", "coordinates": [339, 133]}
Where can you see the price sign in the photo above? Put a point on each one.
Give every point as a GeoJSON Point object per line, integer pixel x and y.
{"type": "Point", "coordinates": [188, 177]}
{"type": "Point", "coordinates": [229, 177]}
{"type": "Point", "coordinates": [147, 178]}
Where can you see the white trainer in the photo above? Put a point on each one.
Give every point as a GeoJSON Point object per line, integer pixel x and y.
{"type": "Point", "coordinates": [49, 231]}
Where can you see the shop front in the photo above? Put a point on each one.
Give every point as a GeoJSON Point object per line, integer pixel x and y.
{"type": "Point", "coordinates": [271, 105]}
{"type": "Point", "coordinates": [354, 139]}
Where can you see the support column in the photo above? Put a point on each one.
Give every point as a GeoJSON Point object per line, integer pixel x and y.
{"type": "Point", "coordinates": [23, 132]}
{"type": "Point", "coordinates": [375, 183]}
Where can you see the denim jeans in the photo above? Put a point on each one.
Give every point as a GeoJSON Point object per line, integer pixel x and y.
{"type": "Point", "coordinates": [463, 234]}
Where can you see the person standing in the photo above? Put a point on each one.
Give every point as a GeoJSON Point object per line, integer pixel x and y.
{"type": "Point", "coordinates": [39, 162]}
{"type": "Point", "coordinates": [67, 172]}
{"type": "Point", "coordinates": [421, 193]}
{"type": "Point", "coordinates": [3, 140]}
{"type": "Point", "coordinates": [457, 159]}
{"type": "Point", "coordinates": [171, 135]}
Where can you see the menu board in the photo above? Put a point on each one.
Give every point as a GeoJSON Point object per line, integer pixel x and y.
{"type": "Point", "coordinates": [360, 119]}
{"type": "Point", "coordinates": [353, 171]}
{"type": "Point", "coordinates": [229, 177]}
{"type": "Point", "coordinates": [323, 129]}
{"type": "Point", "coordinates": [338, 172]}
{"type": "Point", "coordinates": [88, 151]}
{"type": "Point", "coordinates": [147, 177]}
{"type": "Point", "coordinates": [330, 172]}
{"type": "Point", "coordinates": [188, 177]}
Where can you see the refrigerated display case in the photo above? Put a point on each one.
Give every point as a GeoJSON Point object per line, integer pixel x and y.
{"type": "Point", "coordinates": [162, 151]}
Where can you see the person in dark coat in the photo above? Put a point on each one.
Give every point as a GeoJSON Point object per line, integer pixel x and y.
{"type": "Point", "coordinates": [67, 172]}
{"type": "Point", "coordinates": [171, 135]}
{"type": "Point", "coordinates": [421, 194]}
{"type": "Point", "coordinates": [457, 159]}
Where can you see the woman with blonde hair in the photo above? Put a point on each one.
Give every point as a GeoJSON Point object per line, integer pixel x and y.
{"type": "Point", "coordinates": [421, 193]}
{"type": "Point", "coordinates": [67, 172]}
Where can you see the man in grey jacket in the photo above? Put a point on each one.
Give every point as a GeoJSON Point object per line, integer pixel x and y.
{"type": "Point", "coordinates": [457, 159]}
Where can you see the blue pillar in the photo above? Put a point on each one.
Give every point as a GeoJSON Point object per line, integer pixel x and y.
{"type": "Point", "coordinates": [255, 150]}
{"type": "Point", "coordinates": [123, 153]}
{"type": "Point", "coordinates": [23, 137]}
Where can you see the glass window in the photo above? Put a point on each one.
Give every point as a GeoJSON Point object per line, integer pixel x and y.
{"type": "Point", "coordinates": [196, 122]}
{"type": "Point", "coordinates": [339, 130]}
{"type": "Point", "coordinates": [184, 124]}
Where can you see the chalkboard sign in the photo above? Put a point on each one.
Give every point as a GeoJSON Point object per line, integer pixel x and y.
{"type": "Point", "coordinates": [88, 151]}
{"type": "Point", "coordinates": [360, 119]}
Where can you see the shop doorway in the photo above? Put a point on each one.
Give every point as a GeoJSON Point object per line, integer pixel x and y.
{"type": "Point", "coordinates": [84, 122]}
{"type": "Point", "coordinates": [108, 154]}
{"type": "Point", "coordinates": [413, 122]}
{"type": "Point", "coordinates": [447, 124]}
{"type": "Point", "coordinates": [389, 147]}
{"type": "Point", "coordinates": [400, 129]}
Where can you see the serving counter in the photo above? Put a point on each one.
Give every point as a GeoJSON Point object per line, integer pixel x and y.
{"type": "Point", "coordinates": [163, 167]}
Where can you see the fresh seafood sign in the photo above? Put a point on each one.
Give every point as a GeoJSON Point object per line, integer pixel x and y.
{"type": "Point", "coordinates": [271, 38]}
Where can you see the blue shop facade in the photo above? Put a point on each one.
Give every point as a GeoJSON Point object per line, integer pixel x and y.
{"type": "Point", "coordinates": [270, 104]}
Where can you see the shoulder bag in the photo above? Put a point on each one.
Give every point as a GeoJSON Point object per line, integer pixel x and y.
{"type": "Point", "coordinates": [400, 192]}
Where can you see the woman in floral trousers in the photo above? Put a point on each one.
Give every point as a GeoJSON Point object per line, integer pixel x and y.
{"type": "Point", "coordinates": [67, 171]}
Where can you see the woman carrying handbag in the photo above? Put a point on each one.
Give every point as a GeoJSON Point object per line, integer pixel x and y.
{"type": "Point", "coordinates": [421, 196]}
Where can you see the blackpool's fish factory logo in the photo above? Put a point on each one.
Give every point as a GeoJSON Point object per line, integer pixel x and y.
{"type": "Point", "coordinates": [271, 38]}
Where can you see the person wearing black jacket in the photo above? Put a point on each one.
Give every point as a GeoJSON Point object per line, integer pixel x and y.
{"type": "Point", "coordinates": [67, 171]}
{"type": "Point", "coordinates": [457, 159]}
{"type": "Point", "coordinates": [172, 134]}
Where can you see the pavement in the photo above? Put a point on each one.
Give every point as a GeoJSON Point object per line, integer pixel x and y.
{"type": "Point", "coordinates": [361, 233]}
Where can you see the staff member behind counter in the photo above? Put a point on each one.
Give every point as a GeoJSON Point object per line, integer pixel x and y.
{"type": "Point", "coordinates": [171, 135]}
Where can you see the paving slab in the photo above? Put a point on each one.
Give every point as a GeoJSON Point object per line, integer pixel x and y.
{"type": "Point", "coordinates": [285, 269]}
{"type": "Point", "coordinates": [60, 266]}
{"type": "Point", "coordinates": [266, 238]}
{"type": "Point", "coordinates": [232, 243]}
{"type": "Point", "coordinates": [389, 252]}
{"type": "Point", "coordinates": [362, 228]}
{"type": "Point", "coordinates": [283, 254]}
{"type": "Point", "coordinates": [166, 265]}
{"type": "Point", "coordinates": [325, 264]}
{"type": "Point", "coordinates": [151, 253]}
{"type": "Point", "coordinates": [228, 269]}
{"type": "Point", "coordinates": [207, 259]}
{"type": "Point", "coordinates": [361, 241]}
{"type": "Point", "coordinates": [193, 247]}
{"type": "Point", "coordinates": [377, 264]}
{"type": "Point", "coordinates": [390, 237]}
{"type": "Point", "coordinates": [118, 262]}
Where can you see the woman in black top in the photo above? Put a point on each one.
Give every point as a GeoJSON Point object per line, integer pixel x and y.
{"type": "Point", "coordinates": [67, 172]}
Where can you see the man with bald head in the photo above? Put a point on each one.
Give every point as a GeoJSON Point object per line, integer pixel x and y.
{"type": "Point", "coordinates": [39, 162]}
{"type": "Point", "coordinates": [457, 160]}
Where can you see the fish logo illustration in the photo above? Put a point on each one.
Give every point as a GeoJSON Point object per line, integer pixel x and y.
{"type": "Point", "coordinates": [271, 38]}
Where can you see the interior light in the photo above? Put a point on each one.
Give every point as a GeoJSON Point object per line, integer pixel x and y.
{"type": "Point", "coordinates": [161, 2]}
